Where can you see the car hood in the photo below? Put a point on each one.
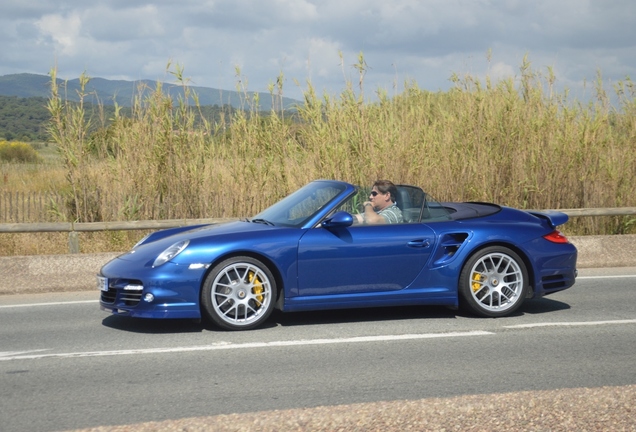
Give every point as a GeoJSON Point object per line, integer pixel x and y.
{"type": "Point", "coordinates": [199, 236]}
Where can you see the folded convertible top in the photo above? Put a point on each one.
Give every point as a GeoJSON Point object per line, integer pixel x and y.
{"type": "Point", "coordinates": [470, 210]}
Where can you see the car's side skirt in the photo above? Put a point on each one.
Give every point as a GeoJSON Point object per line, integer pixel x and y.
{"type": "Point", "coordinates": [426, 296]}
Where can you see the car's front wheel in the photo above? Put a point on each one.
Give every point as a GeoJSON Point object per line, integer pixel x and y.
{"type": "Point", "coordinates": [493, 282]}
{"type": "Point", "coordinates": [238, 294]}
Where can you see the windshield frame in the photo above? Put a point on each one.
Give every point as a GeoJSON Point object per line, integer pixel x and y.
{"type": "Point", "coordinates": [317, 197]}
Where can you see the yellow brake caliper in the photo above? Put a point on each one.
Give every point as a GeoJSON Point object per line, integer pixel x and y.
{"type": "Point", "coordinates": [257, 290]}
{"type": "Point", "coordinates": [477, 280]}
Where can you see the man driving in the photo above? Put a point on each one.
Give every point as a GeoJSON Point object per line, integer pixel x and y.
{"type": "Point", "coordinates": [381, 207]}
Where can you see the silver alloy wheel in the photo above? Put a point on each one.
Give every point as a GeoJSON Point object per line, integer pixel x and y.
{"type": "Point", "coordinates": [496, 282]}
{"type": "Point", "coordinates": [241, 294]}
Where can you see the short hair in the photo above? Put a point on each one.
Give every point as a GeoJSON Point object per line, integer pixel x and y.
{"type": "Point", "coordinates": [385, 186]}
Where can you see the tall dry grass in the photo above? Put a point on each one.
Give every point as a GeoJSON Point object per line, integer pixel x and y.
{"type": "Point", "coordinates": [517, 142]}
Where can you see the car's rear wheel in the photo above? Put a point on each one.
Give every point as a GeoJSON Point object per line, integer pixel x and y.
{"type": "Point", "coordinates": [239, 293]}
{"type": "Point", "coordinates": [493, 282]}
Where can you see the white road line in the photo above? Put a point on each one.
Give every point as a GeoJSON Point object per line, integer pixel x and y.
{"type": "Point", "coordinates": [26, 355]}
{"type": "Point", "coordinates": [571, 324]}
{"type": "Point", "coordinates": [231, 346]}
{"type": "Point", "coordinates": [16, 353]}
{"type": "Point", "coordinates": [47, 304]}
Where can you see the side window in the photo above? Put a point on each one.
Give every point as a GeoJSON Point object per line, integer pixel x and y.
{"type": "Point", "coordinates": [410, 200]}
{"type": "Point", "coordinates": [415, 204]}
{"type": "Point", "coordinates": [353, 204]}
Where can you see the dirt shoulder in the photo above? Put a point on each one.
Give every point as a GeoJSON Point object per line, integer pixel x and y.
{"type": "Point", "coordinates": [581, 409]}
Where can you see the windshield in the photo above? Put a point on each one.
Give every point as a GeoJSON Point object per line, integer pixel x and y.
{"type": "Point", "coordinates": [296, 209]}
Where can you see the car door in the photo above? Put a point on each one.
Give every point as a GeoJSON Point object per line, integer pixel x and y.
{"type": "Point", "coordinates": [362, 258]}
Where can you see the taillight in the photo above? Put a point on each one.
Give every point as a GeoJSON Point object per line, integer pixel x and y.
{"type": "Point", "coordinates": [556, 237]}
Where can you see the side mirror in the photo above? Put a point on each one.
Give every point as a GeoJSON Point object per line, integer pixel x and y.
{"type": "Point", "coordinates": [340, 219]}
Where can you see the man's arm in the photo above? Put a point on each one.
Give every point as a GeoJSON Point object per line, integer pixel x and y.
{"type": "Point", "coordinates": [370, 216]}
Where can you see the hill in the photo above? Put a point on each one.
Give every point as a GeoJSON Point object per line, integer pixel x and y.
{"type": "Point", "coordinates": [108, 92]}
{"type": "Point", "coordinates": [24, 97]}
{"type": "Point", "coordinates": [27, 119]}
{"type": "Point", "coordinates": [23, 119]}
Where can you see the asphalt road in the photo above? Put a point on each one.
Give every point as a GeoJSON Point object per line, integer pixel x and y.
{"type": "Point", "coordinates": [64, 364]}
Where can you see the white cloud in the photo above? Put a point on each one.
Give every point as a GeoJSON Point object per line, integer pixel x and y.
{"type": "Point", "coordinates": [502, 71]}
{"type": "Point", "coordinates": [143, 22]}
{"type": "Point", "coordinates": [424, 40]}
{"type": "Point", "coordinates": [63, 30]}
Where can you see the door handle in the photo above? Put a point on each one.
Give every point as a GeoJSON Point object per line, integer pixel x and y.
{"type": "Point", "coordinates": [421, 243]}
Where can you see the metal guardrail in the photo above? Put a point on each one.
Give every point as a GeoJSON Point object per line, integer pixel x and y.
{"type": "Point", "coordinates": [104, 226]}
{"type": "Point", "coordinates": [74, 228]}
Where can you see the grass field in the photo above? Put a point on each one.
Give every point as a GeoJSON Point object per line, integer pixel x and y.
{"type": "Point", "coordinates": [514, 142]}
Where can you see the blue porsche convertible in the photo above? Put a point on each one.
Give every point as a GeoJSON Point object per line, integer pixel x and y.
{"type": "Point", "coordinates": [310, 252]}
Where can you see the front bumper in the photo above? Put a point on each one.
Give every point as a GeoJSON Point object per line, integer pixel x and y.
{"type": "Point", "coordinates": [168, 291]}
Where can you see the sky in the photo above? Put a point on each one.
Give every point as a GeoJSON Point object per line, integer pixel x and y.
{"type": "Point", "coordinates": [250, 43]}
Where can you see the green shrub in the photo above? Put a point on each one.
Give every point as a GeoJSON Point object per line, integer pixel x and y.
{"type": "Point", "coordinates": [16, 151]}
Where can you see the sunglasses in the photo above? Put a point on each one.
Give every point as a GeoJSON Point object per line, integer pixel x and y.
{"type": "Point", "coordinates": [374, 193]}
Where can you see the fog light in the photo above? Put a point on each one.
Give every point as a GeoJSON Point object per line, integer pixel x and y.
{"type": "Point", "coordinates": [149, 297]}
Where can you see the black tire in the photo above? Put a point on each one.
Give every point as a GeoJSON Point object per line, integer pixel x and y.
{"type": "Point", "coordinates": [238, 294]}
{"type": "Point", "coordinates": [493, 282]}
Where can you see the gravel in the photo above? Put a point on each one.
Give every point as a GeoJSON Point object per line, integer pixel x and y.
{"type": "Point", "coordinates": [581, 409]}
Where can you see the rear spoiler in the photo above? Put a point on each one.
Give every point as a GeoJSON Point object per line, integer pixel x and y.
{"type": "Point", "coordinates": [555, 218]}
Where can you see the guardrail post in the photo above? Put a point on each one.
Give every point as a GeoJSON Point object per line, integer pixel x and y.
{"type": "Point", "coordinates": [73, 242]}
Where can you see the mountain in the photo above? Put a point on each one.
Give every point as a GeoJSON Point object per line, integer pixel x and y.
{"type": "Point", "coordinates": [106, 92]}
{"type": "Point", "coordinates": [24, 119]}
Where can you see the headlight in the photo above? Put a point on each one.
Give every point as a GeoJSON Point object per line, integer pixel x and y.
{"type": "Point", "coordinates": [170, 253]}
